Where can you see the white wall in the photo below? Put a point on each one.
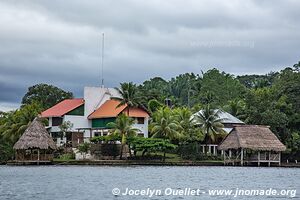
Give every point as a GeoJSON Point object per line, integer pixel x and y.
{"type": "Point", "coordinates": [77, 121]}
{"type": "Point", "coordinates": [94, 97]}
{"type": "Point", "coordinates": [143, 127]}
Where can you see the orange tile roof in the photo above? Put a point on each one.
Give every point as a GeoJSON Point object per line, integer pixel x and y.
{"type": "Point", "coordinates": [62, 108]}
{"type": "Point", "coordinates": [136, 112]}
{"type": "Point", "coordinates": [109, 109]}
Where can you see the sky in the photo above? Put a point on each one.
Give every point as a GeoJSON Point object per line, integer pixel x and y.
{"type": "Point", "coordinates": [59, 42]}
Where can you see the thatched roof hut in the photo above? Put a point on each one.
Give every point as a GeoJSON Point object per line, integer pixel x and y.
{"type": "Point", "coordinates": [254, 137]}
{"type": "Point", "coordinates": [35, 137]}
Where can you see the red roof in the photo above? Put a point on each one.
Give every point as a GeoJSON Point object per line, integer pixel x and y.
{"type": "Point", "coordinates": [62, 108]}
{"type": "Point", "coordinates": [110, 109]}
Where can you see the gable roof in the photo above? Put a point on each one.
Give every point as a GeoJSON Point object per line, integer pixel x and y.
{"type": "Point", "coordinates": [228, 118]}
{"type": "Point", "coordinates": [35, 137]}
{"type": "Point", "coordinates": [62, 108]}
{"type": "Point", "coordinates": [110, 109]}
{"type": "Point", "coordinates": [253, 137]}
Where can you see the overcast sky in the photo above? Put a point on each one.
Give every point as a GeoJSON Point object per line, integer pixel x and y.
{"type": "Point", "coordinates": [59, 42]}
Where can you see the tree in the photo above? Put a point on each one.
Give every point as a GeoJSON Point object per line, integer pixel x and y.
{"type": "Point", "coordinates": [185, 88]}
{"type": "Point", "coordinates": [210, 123]}
{"type": "Point", "coordinates": [188, 127]}
{"type": "Point", "coordinates": [165, 125]}
{"type": "Point", "coordinates": [151, 145]}
{"type": "Point", "coordinates": [65, 127]}
{"type": "Point", "coordinates": [154, 105]}
{"type": "Point", "coordinates": [154, 89]}
{"type": "Point", "coordinates": [236, 107]}
{"type": "Point", "coordinates": [46, 95]}
{"type": "Point", "coordinates": [123, 127]}
{"type": "Point", "coordinates": [129, 96]}
{"type": "Point", "coordinates": [14, 123]}
{"type": "Point", "coordinates": [84, 149]}
{"type": "Point", "coordinates": [224, 87]}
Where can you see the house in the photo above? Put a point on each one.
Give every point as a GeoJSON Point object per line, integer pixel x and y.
{"type": "Point", "coordinates": [228, 121]}
{"type": "Point", "coordinates": [251, 144]}
{"type": "Point", "coordinates": [89, 116]}
{"type": "Point", "coordinates": [71, 110]}
{"type": "Point", "coordinates": [35, 145]}
{"type": "Point", "coordinates": [109, 111]}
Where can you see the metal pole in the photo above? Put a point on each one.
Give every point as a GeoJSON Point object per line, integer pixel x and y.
{"type": "Point", "coordinates": [102, 62]}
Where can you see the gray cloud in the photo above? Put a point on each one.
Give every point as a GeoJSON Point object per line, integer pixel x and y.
{"type": "Point", "coordinates": [58, 42]}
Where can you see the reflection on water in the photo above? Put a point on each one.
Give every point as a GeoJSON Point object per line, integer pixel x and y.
{"type": "Point", "coordinates": [97, 182]}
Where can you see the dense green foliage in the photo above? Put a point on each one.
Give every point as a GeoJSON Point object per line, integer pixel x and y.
{"type": "Point", "coordinates": [45, 95]}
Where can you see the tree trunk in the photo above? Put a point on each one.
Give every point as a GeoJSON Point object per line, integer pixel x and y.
{"type": "Point", "coordinates": [130, 154]}
{"type": "Point", "coordinates": [123, 142]}
{"type": "Point", "coordinates": [121, 153]}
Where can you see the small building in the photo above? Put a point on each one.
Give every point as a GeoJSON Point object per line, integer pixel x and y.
{"type": "Point", "coordinates": [228, 121]}
{"type": "Point", "coordinates": [35, 144]}
{"type": "Point", "coordinates": [250, 144]}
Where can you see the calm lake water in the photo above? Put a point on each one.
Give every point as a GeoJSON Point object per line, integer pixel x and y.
{"type": "Point", "coordinates": [97, 182]}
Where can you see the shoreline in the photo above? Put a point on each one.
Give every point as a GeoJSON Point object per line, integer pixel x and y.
{"type": "Point", "coordinates": [137, 163]}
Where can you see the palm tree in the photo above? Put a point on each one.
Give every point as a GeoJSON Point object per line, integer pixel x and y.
{"type": "Point", "coordinates": [188, 125]}
{"type": "Point", "coordinates": [236, 108]}
{"type": "Point", "coordinates": [165, 126]}
{"type": "Point", "coordinates": [123, 127]}
{"type": "Point", "coordinates": [129, 95]}
{"type": "Point", "coordinates": [210, 123]}
{"type": "Point", "coordinates": [14, 123]}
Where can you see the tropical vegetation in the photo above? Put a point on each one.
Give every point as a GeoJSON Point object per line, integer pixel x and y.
{"type": "Point", "coordinates": [272, 99]}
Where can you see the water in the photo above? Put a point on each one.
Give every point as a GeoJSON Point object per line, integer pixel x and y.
{"type": "Point", "coordinates": [97, 182]}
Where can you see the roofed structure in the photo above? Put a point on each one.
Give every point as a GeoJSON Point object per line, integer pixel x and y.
{"type": "Point", "coordinates": [227, 117]}
{"type": "Point", "coordinates": [254, 137]}
{"type": "Point", "coordinates": [63, 107]}
{"type": "Point", "coordinates": [110, 109]}
{"type": "Point", "coordinates": [250, 144]}
{"type": "Point", "coordinates": [35, 137]}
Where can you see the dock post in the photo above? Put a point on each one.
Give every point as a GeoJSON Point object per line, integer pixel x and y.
{"type": "Point", "coordinates": [258, 158]}
{"type": "Point", "coordinates": [279, 158]}
{"type": "Point", "coordinates": [38, 156]}
{"type": "Point", "coordinates": [242, 156]}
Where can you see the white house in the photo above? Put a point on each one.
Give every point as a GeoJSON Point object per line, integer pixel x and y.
{"type": "Point", "coordinates": [89, 116]}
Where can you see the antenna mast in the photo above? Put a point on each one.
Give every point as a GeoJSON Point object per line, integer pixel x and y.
{"type": "Point", "coordinates": [102, 62]}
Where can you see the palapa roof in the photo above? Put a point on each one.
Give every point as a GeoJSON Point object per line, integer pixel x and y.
{"type": "Point", "coordinates": [63, 107]}
{"type": "Point", "coordinates": [110, 109]}
{"type": "Point", "coordinates": [252, 137]}
{"type": "Point", "coordinates": [35, 137]}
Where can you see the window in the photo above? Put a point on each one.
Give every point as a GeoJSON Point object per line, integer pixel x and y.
{"type": "Point", "coordinates": [140, 120]}
{"type": "Point", "coordinates": [56, 121]}
{"type": "Point", "coordinates": [105, 133]}
{"type": "Point", "coordinates": [96, 134]}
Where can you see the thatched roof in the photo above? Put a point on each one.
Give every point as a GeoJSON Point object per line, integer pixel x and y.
{"type": "Point", "coordinates": [252, 137]}
{"type": "Point", "coordinates": [35, 137]}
